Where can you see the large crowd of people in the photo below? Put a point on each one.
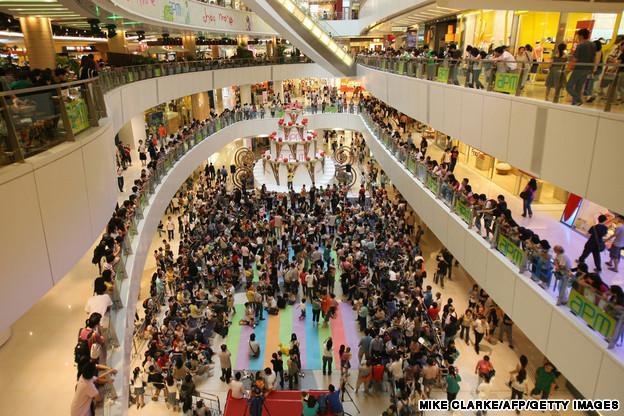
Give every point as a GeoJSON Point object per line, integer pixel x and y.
{"type": "Point", "coordinates": [281, 249]}
{"type": "Point", "coordinates": [490, 212]}
{"type": "Point", "coordinates": [594, 71]}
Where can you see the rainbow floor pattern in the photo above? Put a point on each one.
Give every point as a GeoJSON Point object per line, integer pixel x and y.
{"type": "Point", "coordinates": [277, 329]}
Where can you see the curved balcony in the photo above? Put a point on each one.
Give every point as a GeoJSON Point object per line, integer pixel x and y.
{"type": "Point", "coordinates": [572, 147]}
{"type": "Point", "coordinates": [58, 147]}
{"type": "Point", "coordinates": [543, 315]}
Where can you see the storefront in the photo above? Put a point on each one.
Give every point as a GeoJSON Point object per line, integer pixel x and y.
{"type": "Point", "coordinates": [501, 173]}
{"type": "Point", "coordinates": [580, 214]}
{"type": "Point", "coordinates": [486, 29]}
{"type": "Point", "coordinates": [172, 115]}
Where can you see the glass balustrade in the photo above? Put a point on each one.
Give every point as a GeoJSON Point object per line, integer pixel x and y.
{"type": "Point", "coordinates": [601, 85]}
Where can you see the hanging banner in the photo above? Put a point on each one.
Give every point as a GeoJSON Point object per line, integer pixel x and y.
{"type": "Point", "coordinates": [432, 183]}
{"type": "Point", "coordinates": [78, 115]}
{"type": "Point", "coordinates": [463, 210]}
{"type": "Point", "coordinates": [596, 318]}
{"type": "Point", "coordinates": [443, 74]}
{"type": "Point", "coordinates": [510, 250]}
{"type": "Point", "coordinates": [193, 15]}
{"type": "Point", "coordinates": [506, 82]}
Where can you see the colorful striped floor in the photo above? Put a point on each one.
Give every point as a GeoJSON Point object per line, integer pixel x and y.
{"type": "Point", "coordinates": [275, 330]}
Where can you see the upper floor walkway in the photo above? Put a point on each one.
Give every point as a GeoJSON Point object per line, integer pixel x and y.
{"type": "Point", "coordinates": [575, 148]}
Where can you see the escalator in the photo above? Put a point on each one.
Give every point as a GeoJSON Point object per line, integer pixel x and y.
{"type": "Point", "coordinates": [293, 23]}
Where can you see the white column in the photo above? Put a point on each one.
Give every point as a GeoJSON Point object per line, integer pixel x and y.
{"type": "Point", "coordinates": [245, 94]}
{"type": "Point", "coordinates": [133, 131]}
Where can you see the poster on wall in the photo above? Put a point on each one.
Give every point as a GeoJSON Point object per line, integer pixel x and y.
{"type": "Point", "coordinates": [78, 115]}
{"type": "Point", "coordinates": [410, 39]}
{"type": "Point", "coordinates": [571, 210]}
{"type": "Point", "coordinates": [196, 14]}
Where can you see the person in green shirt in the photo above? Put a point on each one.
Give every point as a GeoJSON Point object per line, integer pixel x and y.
{"type": "Point", "coordinates": [452, 384]}
{"type": "Point", "coordinates": [310, 406]}
{"type": "Point", "coordinates": [544, 381]}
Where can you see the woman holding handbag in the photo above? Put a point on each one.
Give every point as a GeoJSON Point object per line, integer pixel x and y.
{"type": "Point", "coordinates": [527, 196]}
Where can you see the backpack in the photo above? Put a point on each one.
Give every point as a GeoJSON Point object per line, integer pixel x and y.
{"type": "Point", "coordinates": [82, 351]}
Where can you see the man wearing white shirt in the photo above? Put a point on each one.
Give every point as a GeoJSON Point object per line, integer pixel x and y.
{"type": "Point", "coordinates": [237, 387]}
{"type": "Point", "coordinates": [506, 61]}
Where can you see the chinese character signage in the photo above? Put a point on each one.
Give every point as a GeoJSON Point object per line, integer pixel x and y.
{"type": "Point", "coordinates": [195, 15]}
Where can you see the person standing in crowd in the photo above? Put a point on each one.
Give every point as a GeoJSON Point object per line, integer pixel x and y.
{"type": "Point", "coordinates": [557, 69]}
{"type": "Point", "coordinates": [484, 368]}
{"type": "Point", "coordinates": [527, 196]}
{"type": "Point", "coordinates": [328, 356]}
{"type": "Point", "coordinates": [506, 329]}
{"type": "Point", "coordinates": [595, 242]}
{"type": "Point", "coordinates": [561, 265]}
{"type": "Point", "coordinates": [237, 388]}
{"type": "Point", "coordinates": [142, 153]}
{"type": "Point", "coordinates": [519, 386]}
{"type": "Point", "coordinates": [334, 402]}
{"type": "Point", "coordinates": [225, 358]}
{"type": "Point", "coordinates": [584, 56]}
{"type": "Point", "coordinates": [278, 366]}
{"type": "Point", "coordinates": [452, 384]}
{"type": "Point", "coordinates": [505, 62]}
{"type": "Point", "coordinates": [545, 381]}
{"type": "Point", "coordinates": [480, 329]}
{"type": "Point", "coordinates": [617, 245]}
{"type": "Point", "coordinates": [86, 392]}
{"type": "Point", "coordinates": [170, 228]}
{"type": "Point", "coordinates": [484, 391]}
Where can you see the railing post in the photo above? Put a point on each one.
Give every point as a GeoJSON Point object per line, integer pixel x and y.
{"type": "Point", "coordinates": [617, 333]}
{"type": "Point", "coordinates": [559, 84]}
{"type": "Point", "coordinates": [91, 109]}
{"type": "Point", "coordinates": [612, 89]}
{"type": "Point", "coordinates": [520, 85]}
{"type": "Point", "coordinates": [69, 133]}
{"type": "Point", "coordinates": [561, 296]}
{"type": "Point", "coordinates": [18, 156]}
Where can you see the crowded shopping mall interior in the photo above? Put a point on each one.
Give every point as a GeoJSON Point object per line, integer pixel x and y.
{"type": "Point", "coordinates": [311, 207]}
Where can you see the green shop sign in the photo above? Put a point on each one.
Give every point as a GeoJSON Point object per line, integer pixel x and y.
{"type": "Point", "coordinates": [510, 250]}
{"type": "Point", "coordinates": [463, 210]}
{"type": "Point", "coordinates": [78, 115]}
{"type": "Point", "coordinates": [592, 314]}
{"type": "Point", "coordinates": [443, 74]}
{"type": "Point", "coordinates": [506, 82]}
{"type": "Point", "coordinates": [432, 184]}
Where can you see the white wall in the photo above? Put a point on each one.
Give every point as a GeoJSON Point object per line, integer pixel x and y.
{"type": "Point", "coordinates": [576, 149]}
{"type": "Point", "coordinates": [54, 206]}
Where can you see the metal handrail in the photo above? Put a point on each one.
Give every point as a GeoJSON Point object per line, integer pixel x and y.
{"type": "Point", "coordinates": [499, 76]}
{"type": "Point", "coordinates": [48, 118]}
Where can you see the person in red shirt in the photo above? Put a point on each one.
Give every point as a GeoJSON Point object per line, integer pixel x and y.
{"type": "Point", "coordinates": [433, 311]}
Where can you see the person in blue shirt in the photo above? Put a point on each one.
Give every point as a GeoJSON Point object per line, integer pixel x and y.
{"type": "Point", "coordinates": [333, 401]}
{"type": "Point", "coordinates": [428, 296]}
